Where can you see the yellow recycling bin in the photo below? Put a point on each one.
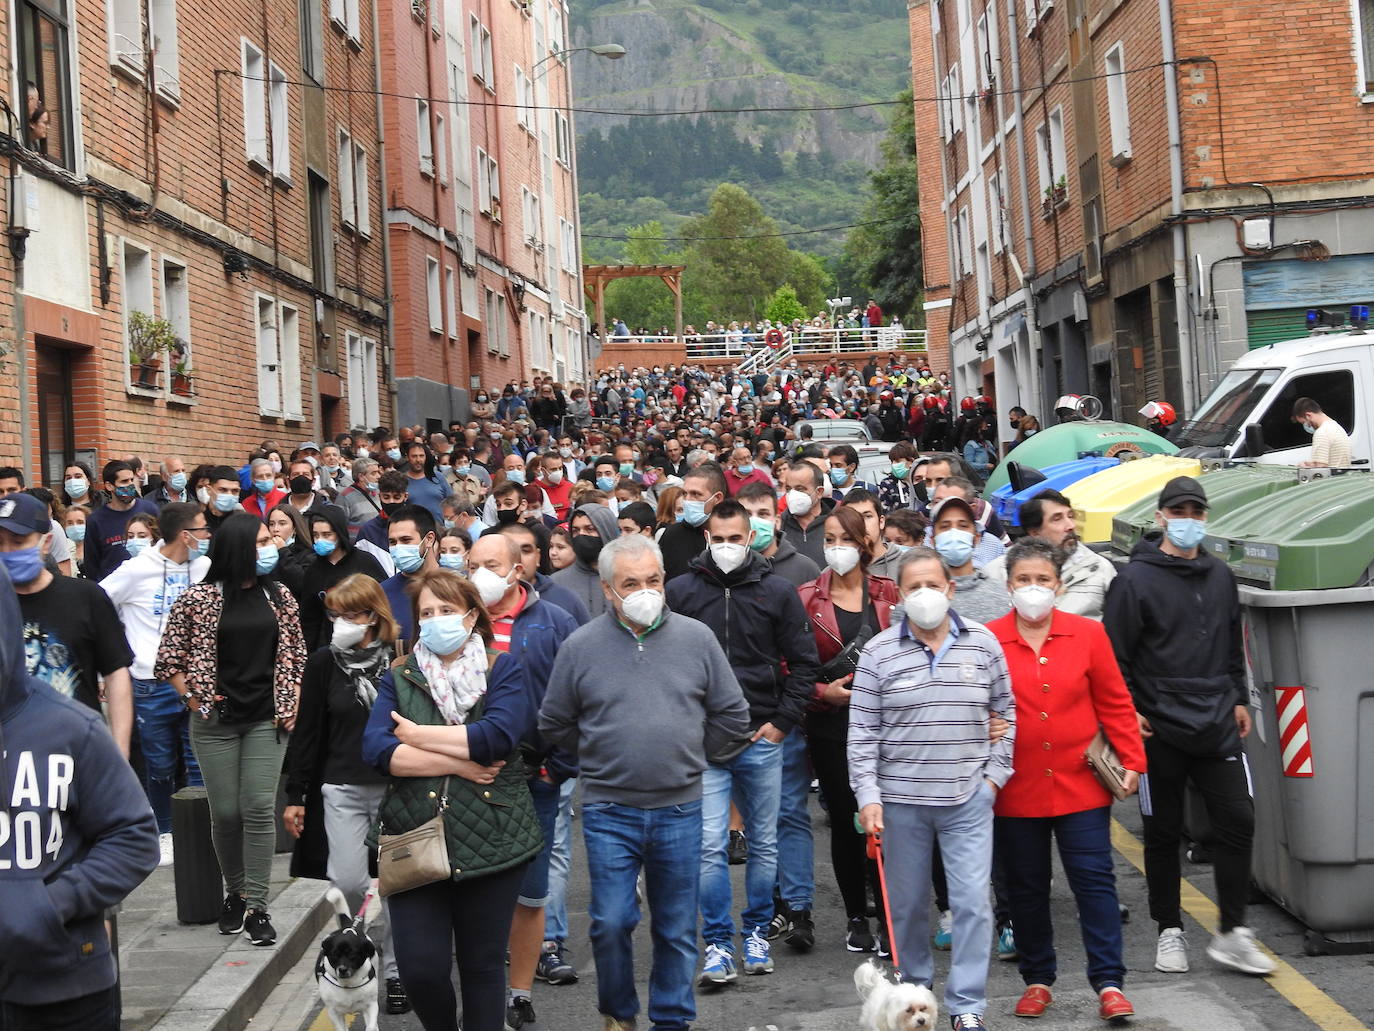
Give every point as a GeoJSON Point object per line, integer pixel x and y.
{"type": "Point", "coordinates": [1098, 498]}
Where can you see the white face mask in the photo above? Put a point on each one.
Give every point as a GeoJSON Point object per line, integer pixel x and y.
{"type": "Point", "coordinates": [642, 607]}
{"type": "Point", "coordinates": [203, 495]}
{"type": "Point", "coordinates": [926, 607]}
{"type": "Point", "coordinates": [490, 585]}
{"type": "Point", "coordinates": [842, 558]}
{"type": "Point", "coordinates": [554, 476]}
{"type": "Point", "coordinates": [729, 557]}
{"type": "Point", "coordinates": [348, 635]}
{"type": "Point", "coordinates": [1033, 602]}
{"type": "Point", "coordinates": [798, 502]}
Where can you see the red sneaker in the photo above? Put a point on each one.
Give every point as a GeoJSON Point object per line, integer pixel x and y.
{"type": "Point", "coordinates": [1114, 1005]}
{"type": "Point", "coordinates": [1034, 1003]}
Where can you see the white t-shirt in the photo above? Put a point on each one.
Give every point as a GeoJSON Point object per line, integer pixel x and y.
{"type": "Point", "coordinates": [143, 589]}
{"type": "Point", "coordinates": [1331, 445]}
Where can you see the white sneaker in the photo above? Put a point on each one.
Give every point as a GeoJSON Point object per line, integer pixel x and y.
{"type": "Point", "coordinates": [1237, 949]}
{"type": "Point", "coordinates": [1171, 954]}
{"type": "Point", "coordinates": [164, 844]}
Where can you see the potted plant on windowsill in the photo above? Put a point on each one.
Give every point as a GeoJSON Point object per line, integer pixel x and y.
{"type": "Point", "coordinates": [149, 339]}
{"type": "Point", "coordinates": [181, 379]}
{"type": "Point", "coordinates": [1048, 203]}
{"type": "Point", "coordinates": [1061, 191]}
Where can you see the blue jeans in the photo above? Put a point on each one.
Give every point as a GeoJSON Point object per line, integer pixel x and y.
{"type": "Point", "coordinates": [560, 862]}
{"type": "Point", "coordinates": [965, 836]}
{"type": "Point", "coordinates": [1085, 848]}
{"type": "Point", "coordinates": [796, 846]}
{"type": "Point", "coordinates": [666, 844]}
{"type": "Point", "coordinates": [756, 778]}
{"type": "Point", "coordinates": [164, 732]}
{"type": "Point", "coordinates": [534, 889]}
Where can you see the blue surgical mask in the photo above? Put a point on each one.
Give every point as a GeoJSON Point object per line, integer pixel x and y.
{"type": "Point", "coordinates": [267, 559]}
{"type": "Point", "coordinates": [515, 475]}
{"type": "Point", "coordinates": [23, 565]}
{"type": "Point", "coordinates": [1186, 534]}
{"type": "Point", "coordinates": [1309, 427]}
{"type": "Point", "coordinates": [76, 532]}
{"type": "Point", "coordinates": [605, 483]}
{"type": "Point", "coordinates": [407, 557]}
{"type": "Point", "coordinates": [454, 562]}
{"type": "Point", "coordinates": [839, 477]}
{"type": "Point", "coordinates": [325, 548]}
{"type": "Point", "coordinates": [744, 470]}
{"type": "Point", "coordinates": [462, 470]}
{"type": "Point", "coordinates": [225, 502]}
{"type": "Point", "coordinates": [393, 453]}
{"type": "Point", "coordinates": [954, 546]}
{"type": "Point", "coordinates": [76, 488]}
{"type": "Point", "coordinates": [177, 481]}
{"type": "Point", "coordinates": [444, 635]}
{"type": "Point", "coordinates": [136, 545]}
{"type": "Point", "coordinates": [694, 512]}
{"type": "Point", "coordinates": [201, 547]}
{"type": "Point", "coordinates": [263, 486]}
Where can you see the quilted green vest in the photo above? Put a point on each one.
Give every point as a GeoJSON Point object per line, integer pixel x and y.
{"type": "Point", "coordinates": [489, 827]}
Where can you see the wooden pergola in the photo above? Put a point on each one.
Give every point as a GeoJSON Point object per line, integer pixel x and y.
{"type": "Point", "coordinates": [595, 278]}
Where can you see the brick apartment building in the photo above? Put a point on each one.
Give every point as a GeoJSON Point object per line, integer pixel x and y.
{"type": "Point", "coordinates": [481, 208]}
{"type": "Point", "coordinates": [185, 171]}
{"type": "Point", "coordinates": [1119, 197]}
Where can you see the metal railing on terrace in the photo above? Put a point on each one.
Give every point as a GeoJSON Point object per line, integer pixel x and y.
{"type": "Point", "coordinates": [715, 346]}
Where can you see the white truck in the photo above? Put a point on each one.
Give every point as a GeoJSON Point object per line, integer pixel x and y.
{"type": "Point", "coordinates": [1250, 412]}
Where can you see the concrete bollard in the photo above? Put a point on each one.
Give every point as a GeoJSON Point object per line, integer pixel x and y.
{"type": "Point", "coordinates": [199, 884]}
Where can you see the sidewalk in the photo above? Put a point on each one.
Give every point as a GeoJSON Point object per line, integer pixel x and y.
{"type": "Point", "coordinates": [180, 977]}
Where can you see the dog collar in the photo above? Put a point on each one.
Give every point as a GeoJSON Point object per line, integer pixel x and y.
{"type": "Point", "coordinates": [323, 972]}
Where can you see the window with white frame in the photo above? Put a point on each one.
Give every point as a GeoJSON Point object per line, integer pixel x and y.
{"type": "Point", "coordinates": [494, 186]}
{"type": "Point", "coordinates": [989, 60]}
{"type": "Point", "coordinates": [254, 104]}
{"type": "Point", "coordinates": [563, 144]}
{"type": "Point", "coordinates": [483, 69]}
{"type": "Point", "coordinates": [279, 358]}
{"type": "Point", "coordinates": [312, 40]}
{"type": "Point", "coordinates": [502, 328]}
{"type": "Point", "coordinates": [432, 296]}
{"type": "Point", "coordinates": [281, 123]}
{"type": "Point", "coordinates": [1364, 32]}
{"type": "Point", "coordinates": [425, 136]}
{"type": "Point", "coordinates": [556, 43]}
{"type": "Point", "coordinates": [956, 104]}
{"type": "Point", "coordinates": [984, 275]}
{"type": "Point", "coordinates": [362, 191]}
{"type": "Point", "coordinates": [362, 379]}
{"type": "Point", "coordinates": [1049, 152]}
{"type": "Point", "coordinates": [489, 318]}
{"type": "Point", "coordinates": [483, 183]}
{"type": "Point", "coordinates": [176, 309]}
{"type": "Point", "coordinates": [1118, 110]}
{"type": "Point", "coordinates": [996, 218]}
{"type": "Point", "coordinates": [524, 99]}
{"type": "Point", "coordinates": [965, 242]}
{"type": "Point", "coordinates": [451, 298]}
{"type": "Point", "coordinates": [125, 20]}
{"type": "Point", "coordinates": [533, 220]}
{"type": "Point", "coordinates": [344, 14]}
{"type": "Point", "coordinates": [348, 205]}
{"type": "Point", "coordinates": [136, 283]}
{"type": "Point", "coordinates": [568, 249]}
{"type": "Point", "coordinates": [441, 147]}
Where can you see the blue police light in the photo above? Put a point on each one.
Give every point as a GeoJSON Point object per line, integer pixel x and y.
{"type": "Point", "coordinates": [1312, 318]}
{"type": "Point", "coordinates": [1359, 315]}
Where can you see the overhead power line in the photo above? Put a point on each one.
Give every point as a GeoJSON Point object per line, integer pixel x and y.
{"type": "Point", "coordinates": [749, 236]}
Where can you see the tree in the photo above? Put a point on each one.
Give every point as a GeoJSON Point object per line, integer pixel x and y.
{"type": "Point", "coordinates": [643, 300]}
{"type": "Point", "coordinates": [735, 256]}
{"type": "Point", "coordinates": [886, 256]}
{"type": "Point", "coordinates": [783, 306]}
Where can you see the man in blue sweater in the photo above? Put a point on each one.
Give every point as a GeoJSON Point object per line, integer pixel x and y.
{"type": "Point", "coordinates": [645, 697]}
{"type": "Point", "coordinates": [67, 788]}
{"type": "Point", "coordinates": [413, 547]}
{"type": "Point", "coordinates": [106, 525]}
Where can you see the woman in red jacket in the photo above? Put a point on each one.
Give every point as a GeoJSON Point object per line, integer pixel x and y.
{"type": "Point", "coordinates": [1067, 684]}
{"type": "Point", "coordinates": [846, 606]}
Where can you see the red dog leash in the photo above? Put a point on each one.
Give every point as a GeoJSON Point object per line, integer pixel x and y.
{"type": "Point", "coordinates": [875, 852]}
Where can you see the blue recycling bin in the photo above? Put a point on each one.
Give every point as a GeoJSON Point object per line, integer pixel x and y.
{"type": "Point", "coordinates": [1007, 503]}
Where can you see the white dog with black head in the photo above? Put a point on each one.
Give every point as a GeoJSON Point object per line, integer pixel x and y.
{"type": "Point", "coordinates": [346, 970]}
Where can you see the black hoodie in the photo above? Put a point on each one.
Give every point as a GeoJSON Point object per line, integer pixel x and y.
{"type": "Point", "coordinates": [1175, 625]}
{"type": "Point", "coordinates": [81, 834]}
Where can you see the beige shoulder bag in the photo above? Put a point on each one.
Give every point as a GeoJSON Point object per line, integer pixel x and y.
{"type": "Point", "coordinates": [1106, 765]}
{"type": "Point", "coordinates": [415, 858]}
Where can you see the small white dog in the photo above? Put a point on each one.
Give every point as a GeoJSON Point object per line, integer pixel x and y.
{"type": "Point", "coordinates": [346, 971]}
{"type": "Point", "coordinates": [893, 1007]}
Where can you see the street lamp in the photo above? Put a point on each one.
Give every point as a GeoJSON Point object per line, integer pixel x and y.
{"type": "Point", "coordinates": [610, 51]}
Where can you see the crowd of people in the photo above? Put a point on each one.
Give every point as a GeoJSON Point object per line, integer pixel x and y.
{"type": "Point", "coordinates": [658, 592]}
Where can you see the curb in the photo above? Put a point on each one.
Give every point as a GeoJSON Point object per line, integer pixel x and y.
{"type": "Point", "coordinates": [229, 994]}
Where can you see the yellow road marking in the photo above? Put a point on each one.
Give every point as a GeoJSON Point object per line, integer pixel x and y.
{"type": "Point", "coordinates": [323, 1023]}
{"type": "Point", "coordinates": [1310, 1000]}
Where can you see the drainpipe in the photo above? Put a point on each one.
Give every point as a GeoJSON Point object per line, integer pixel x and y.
{"type": "Point", "coordinates": [1187, 357]}
{"type": "Point", "coordinates": [389, 366]}
{"type": "Point", "coordinates": [1027, 218]}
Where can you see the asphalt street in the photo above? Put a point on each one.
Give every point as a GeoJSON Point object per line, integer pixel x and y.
{"type": "Point", "coordinates": [814, 991]}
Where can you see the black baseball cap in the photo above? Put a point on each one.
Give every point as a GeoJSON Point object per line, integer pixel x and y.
{"type": "Point", "coordinates": [953, 501]}
{"type": "Point", "coordinates": [1181, 490]}
{"type": "Point", "coordinates": [24, 514]}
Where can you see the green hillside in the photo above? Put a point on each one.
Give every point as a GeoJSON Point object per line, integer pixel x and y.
{"type": "Point", "coordinates": [806, 168]}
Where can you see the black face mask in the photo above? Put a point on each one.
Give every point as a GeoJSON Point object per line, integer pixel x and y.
{"type": "Point", "coordinates": [301, 484]}
{"type": "Point", "coordinates": [507, 516]}
{"type": "Point", "coordinates": [923, 495]}
{"type": "Point", "coordinates": [587, 549]}
{"type": "Point", "coordinates": [389, 507]}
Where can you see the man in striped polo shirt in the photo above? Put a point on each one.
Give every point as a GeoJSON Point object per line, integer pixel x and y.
{"type": "Point", "coordinates": [923, 770]}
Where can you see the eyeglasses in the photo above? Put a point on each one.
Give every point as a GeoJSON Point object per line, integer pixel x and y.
{"type": "Point", "coordinates": [351, 617]}
{"type": "Point", "coordinates": [197, 529]}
